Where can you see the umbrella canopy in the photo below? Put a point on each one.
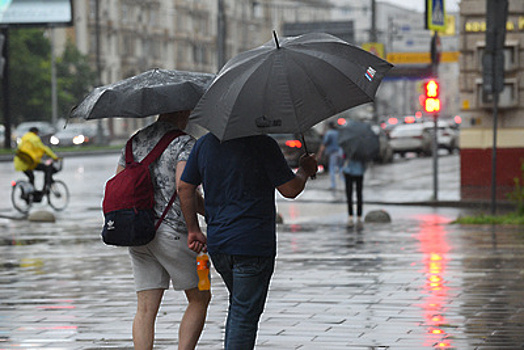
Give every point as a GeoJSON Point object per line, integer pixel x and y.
{"type": "Point", "coordinates": [153, 92]}
{"type": "Point", "coordinates": [359, 141]}
{"type": "Point", "coordinates": [288, 86]}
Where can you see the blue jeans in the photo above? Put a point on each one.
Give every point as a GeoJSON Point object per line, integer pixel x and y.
{"type": "Point", "coordinates": [335, 162]}
{"type": "Point", "coordinates": [247, 280]}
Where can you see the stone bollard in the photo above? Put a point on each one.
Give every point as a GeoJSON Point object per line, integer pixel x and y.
{"type": "Point", "coordinates": [41, 216]}
{"type": "Point", "coordinates": [377, 216]}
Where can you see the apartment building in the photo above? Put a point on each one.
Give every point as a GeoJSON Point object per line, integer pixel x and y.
{"type": "Point", "coordinates": [476, 139]}
{"type": "Point", "coordinates": [126, 37]}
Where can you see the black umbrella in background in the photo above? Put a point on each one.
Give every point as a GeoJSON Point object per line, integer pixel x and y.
{"type": "Point", "coordinates": [358, 141]}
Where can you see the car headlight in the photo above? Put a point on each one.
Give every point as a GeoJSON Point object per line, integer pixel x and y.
{"type": "Point", "coordinates": [54, 140]}
{"type": "Point", "coordinates": [78, 139]}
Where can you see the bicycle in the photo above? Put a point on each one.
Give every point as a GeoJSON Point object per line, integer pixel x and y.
{"type": "Point", "coordinates": [24, 194]}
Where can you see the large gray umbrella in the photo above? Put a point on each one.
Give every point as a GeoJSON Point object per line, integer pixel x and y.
{"type": "Point", "coordinates": [288, 85]}
{"type": "Point", "coordinates": [153, 92]}
{"type": "Point", "coordinates": [359, 141]}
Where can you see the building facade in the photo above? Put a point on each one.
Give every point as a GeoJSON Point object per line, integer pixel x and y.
{"type": "Point", "coordinates": [476, 139]}
{"type": "Point", "coordinates": [126, 37]}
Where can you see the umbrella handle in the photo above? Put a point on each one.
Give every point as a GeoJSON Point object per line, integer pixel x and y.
{"type": "Point", "coordinates": [314, 176]}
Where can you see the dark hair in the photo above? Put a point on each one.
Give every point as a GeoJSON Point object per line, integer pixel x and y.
{"type": "Point", "coordinates": [34, 129]}
{"type": "Point", "coordinates": [332, 125]}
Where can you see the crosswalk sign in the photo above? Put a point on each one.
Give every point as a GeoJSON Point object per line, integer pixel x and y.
{"type": "Point", "coordinates": [436, 15]}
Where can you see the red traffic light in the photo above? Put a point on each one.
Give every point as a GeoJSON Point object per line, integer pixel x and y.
{"type": "Point", "coordinates": [432, 101]}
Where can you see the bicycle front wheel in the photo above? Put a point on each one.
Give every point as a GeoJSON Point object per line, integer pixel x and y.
{"type": "Point", "coordinates": [21, 197]}
{"type": "Point", "coordinates": [58, 196]}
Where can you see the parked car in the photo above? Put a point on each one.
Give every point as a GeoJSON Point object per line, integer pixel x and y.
{"type": "Point", "coordinates": [447, 136]}
{"type": "Point", "coordinates": [411, 138]}
{"type": "Point", "coordinates": [75, 135]}
{"type": "Point", "coordinates": [292, 145]}
{"type": "Point", "coordinates": [46, 130]}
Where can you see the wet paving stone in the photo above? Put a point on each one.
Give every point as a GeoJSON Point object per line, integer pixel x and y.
{"type": "Point", "coordinates": [416, 283]}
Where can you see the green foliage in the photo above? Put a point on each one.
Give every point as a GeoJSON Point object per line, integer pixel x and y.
{"type": "Point", "coordinates": [517, 196]}
{"type": "Point", "coordinates": [508, 219]}
{"type": "Point", "coordinates": [30, 76]}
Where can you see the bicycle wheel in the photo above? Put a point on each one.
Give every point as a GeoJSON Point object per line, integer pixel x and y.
{"type": "Point", "coordinates": [58, 196]}
{"type": "Point", "coordinates": [21, 197]}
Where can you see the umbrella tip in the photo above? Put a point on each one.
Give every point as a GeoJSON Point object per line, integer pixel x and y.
{"type": "Point", "coordinates": [276, 38]}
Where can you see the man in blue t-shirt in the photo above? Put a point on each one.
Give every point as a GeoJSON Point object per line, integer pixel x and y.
{"type": "Point", "coordinates": [239, 178]}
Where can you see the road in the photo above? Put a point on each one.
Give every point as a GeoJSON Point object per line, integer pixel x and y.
{"type": "Point", "coordinates": [416, 283]}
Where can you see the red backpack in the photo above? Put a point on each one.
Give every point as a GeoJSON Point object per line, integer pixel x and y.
{"type": "Point", "coordinates": [129, 199]}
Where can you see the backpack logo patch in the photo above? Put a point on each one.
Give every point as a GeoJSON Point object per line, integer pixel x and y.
{"type": "Point", "coordinates": [110, 225]}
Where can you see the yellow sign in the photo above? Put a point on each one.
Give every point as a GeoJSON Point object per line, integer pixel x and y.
{"type": "Point", "coordinates": [421, 57]}
{"type": "Point", "coordinates": [375, 48]}
{"type": "Point", "coordinates": [451, 29]}
{"type": "Point", "coordinates": [480, 26]}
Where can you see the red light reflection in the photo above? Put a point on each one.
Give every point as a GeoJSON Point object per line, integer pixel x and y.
{"type": "Point", "coordinates": [294, 143]}
{"type": "Point", "coordinates": [433, 245]}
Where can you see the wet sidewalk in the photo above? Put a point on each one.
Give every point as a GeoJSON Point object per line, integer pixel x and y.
{"type": "Point", "coordinates": [418, 282]}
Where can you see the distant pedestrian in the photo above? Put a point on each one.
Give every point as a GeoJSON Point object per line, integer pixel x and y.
{"type": "Point", "coordinates": [167, 257]}
{"type": "Point", "coordinates": [333, 151]}
{"type": "Point", "coordinates": [354, 175]}
{"type": "Point", "coordinates": [239, 179]}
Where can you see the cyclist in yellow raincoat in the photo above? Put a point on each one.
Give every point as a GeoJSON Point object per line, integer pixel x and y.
{"type": "Point", "coordinates": [29, 154]}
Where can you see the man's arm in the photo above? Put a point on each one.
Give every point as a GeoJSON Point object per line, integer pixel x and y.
{"type": "Point", "coordinates": [307, 168]}
{"type": "Point", "coordinates": [196, 240]}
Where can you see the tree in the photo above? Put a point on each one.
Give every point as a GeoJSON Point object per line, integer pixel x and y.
{"type": "Point", "coordinates": [75, 78]}
{"type": "Point", "coordinates": [30, 76]}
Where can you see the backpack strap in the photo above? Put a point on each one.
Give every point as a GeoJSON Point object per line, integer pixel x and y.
{"type": "Point", "coordinates": [129, 151]}
{"type": "Point", "coordinates": [152, 156]}
{"type": "Point", "coordinates": [161, 146]}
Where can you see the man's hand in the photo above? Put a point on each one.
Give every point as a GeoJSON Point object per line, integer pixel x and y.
{"type": "Point", "coordinates": [309, 164]}
{"type": "Point", "coordinates": [197, 241]}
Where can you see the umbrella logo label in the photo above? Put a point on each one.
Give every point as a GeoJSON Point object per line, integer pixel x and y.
{"type": "Point", "coordinates": [370, 73]}
{"type": "Point", "coordinates": [265, 122]}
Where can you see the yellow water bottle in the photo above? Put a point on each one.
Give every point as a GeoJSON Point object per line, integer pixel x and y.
{"type": "Point", "coordinates": [203, 272]}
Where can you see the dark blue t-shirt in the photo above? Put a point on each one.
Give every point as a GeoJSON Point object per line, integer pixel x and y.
{"type": "Point", "coordinates": [239, 178]}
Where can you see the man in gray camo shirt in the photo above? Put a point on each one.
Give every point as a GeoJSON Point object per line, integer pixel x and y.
{"type": "Point", "coordinates": [167, 257]}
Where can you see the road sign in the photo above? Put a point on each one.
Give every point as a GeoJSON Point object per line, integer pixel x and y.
{"type": "Point", "coordinates": [435, 15]}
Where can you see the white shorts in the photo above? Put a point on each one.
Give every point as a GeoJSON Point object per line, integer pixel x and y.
{"type": "Point", "coordinates": [167, 257]}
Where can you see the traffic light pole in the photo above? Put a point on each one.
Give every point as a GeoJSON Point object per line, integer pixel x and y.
{"type": "Point", "coordinates": [435, 157]}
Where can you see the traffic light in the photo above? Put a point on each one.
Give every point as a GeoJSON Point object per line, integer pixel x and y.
{"type": "Point", "coordinates": [432, 100]}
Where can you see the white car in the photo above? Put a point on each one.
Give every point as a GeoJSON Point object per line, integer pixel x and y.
{"type": "Point", "coordinates": [447, 136]}
{"type": "Point", "coordinates": [414, 137]}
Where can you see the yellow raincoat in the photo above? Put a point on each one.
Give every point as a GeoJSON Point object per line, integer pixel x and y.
{"type": "Point", "coordinates": [30, 152]}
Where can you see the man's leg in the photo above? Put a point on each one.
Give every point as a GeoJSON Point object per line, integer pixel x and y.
{"type": "Point", "coordinates": [48, 173]}
{"type": "Point", "coordinates": [248, 291]}
{"type": "Point", "coordinates": [148, 302]}
{"type": "Point", "coordinates": [333, 169]}
{"type": "Point", "coordinates": [193, 319]}
{"type": "Point", "coordinates": [31, 176]}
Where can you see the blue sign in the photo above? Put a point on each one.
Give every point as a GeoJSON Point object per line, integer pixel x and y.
{"type": "Point", "coordinates": [435, 15]}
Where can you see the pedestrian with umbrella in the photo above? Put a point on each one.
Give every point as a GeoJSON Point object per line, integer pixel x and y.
{"type": "Point", "coordinates": [166, 259]}
{"type": "Point", "coordinates": [283, 86]}
{"type": "Point", "coordinates": [360, 145]}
